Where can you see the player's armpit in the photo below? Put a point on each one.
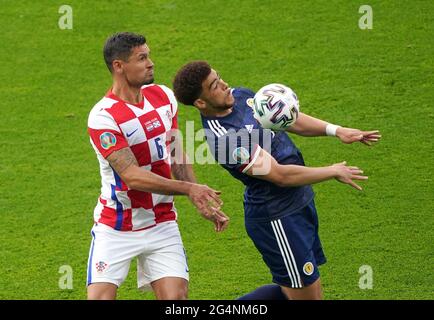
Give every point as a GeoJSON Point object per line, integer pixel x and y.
{"type": "Point", "coordinates": [121, 160]}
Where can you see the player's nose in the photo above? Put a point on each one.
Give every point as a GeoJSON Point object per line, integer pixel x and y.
{"type": "Point", "coordinates": [224, 84]}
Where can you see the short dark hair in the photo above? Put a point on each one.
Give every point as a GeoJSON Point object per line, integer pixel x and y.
{"type": "Point", "coordinates": [120, 45]}
{"type": "Point", "coordinates": [187, 84]}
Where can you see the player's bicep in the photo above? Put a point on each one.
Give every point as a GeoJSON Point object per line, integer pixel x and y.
{"type": "Point", "coordinates": [264, 167]}
{"type": "Point", "coordinates": [122, 160]}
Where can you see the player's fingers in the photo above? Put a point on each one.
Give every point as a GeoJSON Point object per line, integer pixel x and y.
{"type": "Point", "coordinates": [212, 202]}
{"type": "Point", "coordinates": [216, 191]}
{"type": "Point", "coordinates": [377, 136]}
{"type": "Point", "coordinates": [207, 210]}
{"type": "Point", "coordinates": [224, 225]}
{"type": "Point", "coordinates": [353, 168]}
{"type": "Point", "coordinates": [367, 133]}
{"type": "Point", "coordinates": [220, 215]}
{"type": "Point", "coordinates": [358, 177]}
{"type": "Point", "coordinates": [371, 138]}
{"type": "Point", "coordinates": [217, 226]}
{"type": "Point", "coordinates": [221, 225]}
{"type": "Point", "coordinates": [354, 185]}
{"type": "Point", "coordinates": [365, 142]}
{"type": "Point", "coordinates": [356, 171]}
{"type": "Point", "coordinates": [216, 198]}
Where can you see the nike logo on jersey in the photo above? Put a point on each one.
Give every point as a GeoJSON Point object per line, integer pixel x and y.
{"type": "Point", "coordinates": [131, 133]}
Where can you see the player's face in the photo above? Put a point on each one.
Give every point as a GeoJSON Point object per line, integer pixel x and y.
{"type": "Point", "coordinates": [216, 93]}
{"type": "Point", "coordinates": [139, 69]}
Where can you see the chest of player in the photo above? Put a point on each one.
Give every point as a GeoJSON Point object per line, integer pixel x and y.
{"type": "Point", "coordinates": [146, 133]}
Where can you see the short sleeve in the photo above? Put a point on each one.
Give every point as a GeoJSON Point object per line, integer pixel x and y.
{"type": "Point", "coordinates": [105, 133]}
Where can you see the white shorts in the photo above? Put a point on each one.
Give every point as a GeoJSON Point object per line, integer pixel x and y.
{"type": "Point", "coordinates": [159, 251]}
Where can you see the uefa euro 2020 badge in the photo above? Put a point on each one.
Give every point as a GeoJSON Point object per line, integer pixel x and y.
{"type": "Point", "coordinates": [107, 140]}
{"type": "Point", "coordinates": [241, 155]}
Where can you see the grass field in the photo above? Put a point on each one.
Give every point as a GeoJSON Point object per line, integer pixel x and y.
{"type": "Point", "coordinates": [370, 79]}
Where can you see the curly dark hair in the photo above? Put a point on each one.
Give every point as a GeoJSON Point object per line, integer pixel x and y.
{"type": "Point", "coordinates": [120, 45]}
{"type": "Point", "coordinates": [187, 84]}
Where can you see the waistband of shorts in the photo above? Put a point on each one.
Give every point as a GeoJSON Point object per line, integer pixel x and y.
{"type": "Point", "coordinates": [279, 215]}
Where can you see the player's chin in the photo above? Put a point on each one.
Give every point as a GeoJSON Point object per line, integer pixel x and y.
{"type": "Point", "coordinates": [230, 100]}
{"type": "Point", "coordinates": [148, 81]}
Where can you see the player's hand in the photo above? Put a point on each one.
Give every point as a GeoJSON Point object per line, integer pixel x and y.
{"type": "Point", "coordinates": [220, 220]}
{"type": "Point", "coordinates": [349, 135]}
{"type": "Point", "coordinates": [346, 174]}
{"type": "Point", "coordinates": [208, 202]}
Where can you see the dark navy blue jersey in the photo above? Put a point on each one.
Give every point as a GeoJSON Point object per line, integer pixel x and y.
{"type": "Point", "coordinates": [234, 140]}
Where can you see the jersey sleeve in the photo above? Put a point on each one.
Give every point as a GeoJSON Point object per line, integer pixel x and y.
{"type": "Point", "coordinates": [105, 133]}
{"type": "Point", "coordinates": [238, 150]}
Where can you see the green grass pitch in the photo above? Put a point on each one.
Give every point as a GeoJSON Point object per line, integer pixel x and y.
{"type": "Point", "coordinates": [381, 78]}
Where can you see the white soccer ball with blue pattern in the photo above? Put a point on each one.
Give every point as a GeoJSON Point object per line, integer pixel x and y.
{"type": "Point", "coordinates": [276, 107]}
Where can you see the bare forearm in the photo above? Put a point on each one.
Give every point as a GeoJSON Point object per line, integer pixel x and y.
{"type": "Point", "coordinates": [125, 164]}
{"type": "Point", "coordinates": [184, 170]}
{"type": "Point", "coordinates": [308, 126]}
{"type": "Point", "coordinates": [143, 180]}
{"type": "Point", "coordinates": [293, 175]}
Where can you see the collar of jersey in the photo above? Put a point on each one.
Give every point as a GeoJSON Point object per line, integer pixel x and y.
{"type": "Point", "coordinates": [111, 95]}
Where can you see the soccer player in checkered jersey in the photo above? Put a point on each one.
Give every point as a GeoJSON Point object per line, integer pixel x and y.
{"type": "Point", "coordinates": [279, 209]}
{"type": "Point", "coordinates": [131, 131]}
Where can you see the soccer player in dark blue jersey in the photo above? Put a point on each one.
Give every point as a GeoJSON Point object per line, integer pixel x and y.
{"type": "Point", "coordinates": [279, 209]}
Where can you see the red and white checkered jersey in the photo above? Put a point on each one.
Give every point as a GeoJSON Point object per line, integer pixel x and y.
{"type": "Point", "coordinates": [114, 124]}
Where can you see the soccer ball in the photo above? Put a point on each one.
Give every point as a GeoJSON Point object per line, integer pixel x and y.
{"type": "Point", "coordinates": [275, 107]}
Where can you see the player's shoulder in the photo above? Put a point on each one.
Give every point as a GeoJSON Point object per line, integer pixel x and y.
{"type": "Point", "coordinates": [158, 89]}
{"type": "Point", "coordinates": [99, 109]}
{"type": "Point", "coordinates": [160, 95]}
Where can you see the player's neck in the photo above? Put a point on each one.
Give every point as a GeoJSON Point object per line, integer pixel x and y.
{"type": "Point", "coordinates": [216, 113]}
{"type": "Point", "coordinates": [127, 93]}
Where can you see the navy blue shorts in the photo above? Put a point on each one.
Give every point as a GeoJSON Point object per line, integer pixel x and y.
{"type": "Point", "coordinates": [290, 246]}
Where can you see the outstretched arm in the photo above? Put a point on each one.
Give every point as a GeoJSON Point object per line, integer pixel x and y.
{"type": "Point", "coordinates": [267, 168]}
{"type": "Point", "coordinates": [309, 126]}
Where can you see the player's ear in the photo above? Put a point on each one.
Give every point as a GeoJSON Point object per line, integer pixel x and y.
{"type": "Point", "coordinates": [199, 103]}
{"type": "Point", "coordinates": [117, 66]}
